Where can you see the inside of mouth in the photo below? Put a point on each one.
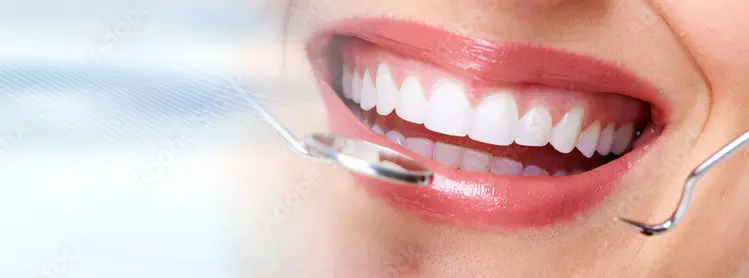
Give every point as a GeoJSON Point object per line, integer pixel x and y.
{"type": "Point", "coordinates": [502, 129]}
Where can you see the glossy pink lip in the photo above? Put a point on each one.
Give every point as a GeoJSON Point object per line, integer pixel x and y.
{"type": "Point", "coordinates": [483, 199]}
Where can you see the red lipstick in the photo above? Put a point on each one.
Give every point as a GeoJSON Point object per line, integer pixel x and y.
{"type": "Point", "coordinates": [483, 199]}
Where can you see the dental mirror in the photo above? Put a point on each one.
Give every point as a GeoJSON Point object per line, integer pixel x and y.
{"type": "Point", "coordinates": [355, 155]}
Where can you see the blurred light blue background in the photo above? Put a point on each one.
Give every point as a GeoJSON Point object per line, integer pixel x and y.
{"type": "Point", "coordinates": [115, 119]}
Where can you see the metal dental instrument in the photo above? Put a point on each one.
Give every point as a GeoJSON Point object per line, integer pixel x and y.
{"type": "Point", "coordinates": [688, 192]}
{"type": "Point", "coordinates": [355, 155]}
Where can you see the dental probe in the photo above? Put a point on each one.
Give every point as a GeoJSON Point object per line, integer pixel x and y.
{"type": "Point", "coordinates": [688, 190]}
{"type": "Point", "coordinates": [355, 155]}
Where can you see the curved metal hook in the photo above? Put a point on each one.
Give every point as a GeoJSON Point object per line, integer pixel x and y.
{"type": "Point", "coordinates": [688, 192]}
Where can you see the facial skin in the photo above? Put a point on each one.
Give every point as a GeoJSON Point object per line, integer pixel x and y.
{"type": "Point", "coordinates": [694, 51]}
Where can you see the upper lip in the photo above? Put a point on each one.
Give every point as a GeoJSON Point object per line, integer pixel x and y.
{"type": "Point", "coordinates": [478, 199]}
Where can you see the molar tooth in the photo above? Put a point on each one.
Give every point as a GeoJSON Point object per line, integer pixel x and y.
{"type": "Point", "coordinates": [412, 105]}
{"type": "Point", "coordinates": [395, 137]}
{"type": "Point", "coordinates": [448, 109]}
{"type": "Point", "coordinates": [422, 146]}
{"type": "Point", "coordinates": [622, 139]}
{"type": "Point", "coordinates": [506, 167]}
{"type": "Point", "coordinates": [368, 92]}
{"type": "Point", "coordinates": [447, 154]}
{"type": "Point", "coordinates": [346, 82]}
{"type": "Point", "coordinates": [356, 87]}
{"type": "Point", "coordinates": [534, 171]}
{"type": "Point", "coordinates": [475, 161]}
{"type": "Point", "coordinates": [387, 92]}
{"type": "Point", "coordinates": [494, 120]}
{"type": "Point", "coordinates": [534, 128]}
{"type": "Point", "coordinates": [589, 139]}
{"type": "Point", "coordinates": [604, 142]}
{"type": "Point", "coordinates": [564, 136]}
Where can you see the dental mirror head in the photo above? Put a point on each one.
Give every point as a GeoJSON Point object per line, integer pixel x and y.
{"type": "Point", "coordinates": [367, 159]}
{"type": "Point", "coordinates": [355, 155]}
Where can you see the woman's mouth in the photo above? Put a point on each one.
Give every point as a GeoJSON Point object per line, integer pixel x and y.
{"type": "Point", "coordinates": [517, 135]}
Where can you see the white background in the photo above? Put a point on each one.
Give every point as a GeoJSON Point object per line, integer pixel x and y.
{"type": "Point", "coordinates": [122, 140]}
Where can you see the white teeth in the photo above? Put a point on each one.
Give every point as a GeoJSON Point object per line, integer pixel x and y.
{"type": "Point", "coordinates": [534, 129]}
{"type": "Point", "coordinates": [589, 139]}
{"type": "Point", "coordinates": [395, 137]}
{"type": "Point", "coordinates": [604, 142]}
{"type": "Point", "coordinates": [377, 129]}
{"type": "Point", "coordinates": [388, 94]}
{"type": "Point", "coordinates": [448, 109]}
{"type": "Point", "coordinates": [447, 154]}
{"type": "Point", "coordinates": [356, 88]}
{"type": "Point", "coordinates": [346, 82]}
{"type": "Point", "coordinates": [368, 92]}
{"type": "Point", "coordinates": [422, 146]}
{"type": "Point", "coordinates": [506, 167]}
{"type": "Point", "coordinates": [467, 159]}
{"type": "Point", "coordinates": [565, 134]}
{"type": "Point", "coordinates": [475, 161]}
{"type": "Point", "coordinates": [534, 171]}
{"type": "Point", "coordinates": [622, 139]}
{"type": "Point", "coordinates": [494, 121]}
{"type": "Point", "coordinates": [412, 106]}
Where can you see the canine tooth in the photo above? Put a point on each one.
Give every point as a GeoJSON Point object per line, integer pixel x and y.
{"type": "Point", "coordinates": [494, 120]}
{"type": "Point", "coordinates": [589, 139]}
{"type": "Point", "coordinates": [622, 139]}
{"type": "Point", "coordinates": [534, 171]}
{"type": "Point", "coordinates": [475, 161]}
{"type": "Point", "coordinates": [560, 173]}
{"type": "Point", "coordinates": [447, 154]}
{"type": "Point", "coordinates": [412, 105]}
{"type": "Point", "coordinates": [534, 128]}
{"type": "Point", "coordinates": [377, 129]}
{"type": "Point", "coordinates": [356, 87]}
{"type": "Point", "coordinates": [565, 134]}
{"type": "Point", "coordinates": [604, 142]}
{"type": "Point", "coordinates": [422, 146]}
{"type": "Point", "coordinates": [346, 82]}
{"type": "Point", "coordinates": [506, 167]}
{"type": "Point", "coordinates": [387, 92]}
{"type": "Point", "coordinates": [368, 92]}
{"type": "Point", "coordinates": [448, 109]}
{"type": "Point", "coordinates": [396, 137]}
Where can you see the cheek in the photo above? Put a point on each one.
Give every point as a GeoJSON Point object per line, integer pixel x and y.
{"type": "Point", "coordinates": [715, 33]}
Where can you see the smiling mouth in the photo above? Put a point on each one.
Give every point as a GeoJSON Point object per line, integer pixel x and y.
{"type": "Point", "coordinates": [517, 135]}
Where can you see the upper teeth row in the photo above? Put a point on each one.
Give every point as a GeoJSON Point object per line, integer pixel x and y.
{"type": "Point", "coordinates": [494, 121]}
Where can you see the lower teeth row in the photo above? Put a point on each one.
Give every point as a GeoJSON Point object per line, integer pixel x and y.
{"type": "Point", "coordinates": [467, 159]}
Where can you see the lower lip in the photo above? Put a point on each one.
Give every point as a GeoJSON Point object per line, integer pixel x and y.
{"type": "Point", "coordinates": [483, 200]}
